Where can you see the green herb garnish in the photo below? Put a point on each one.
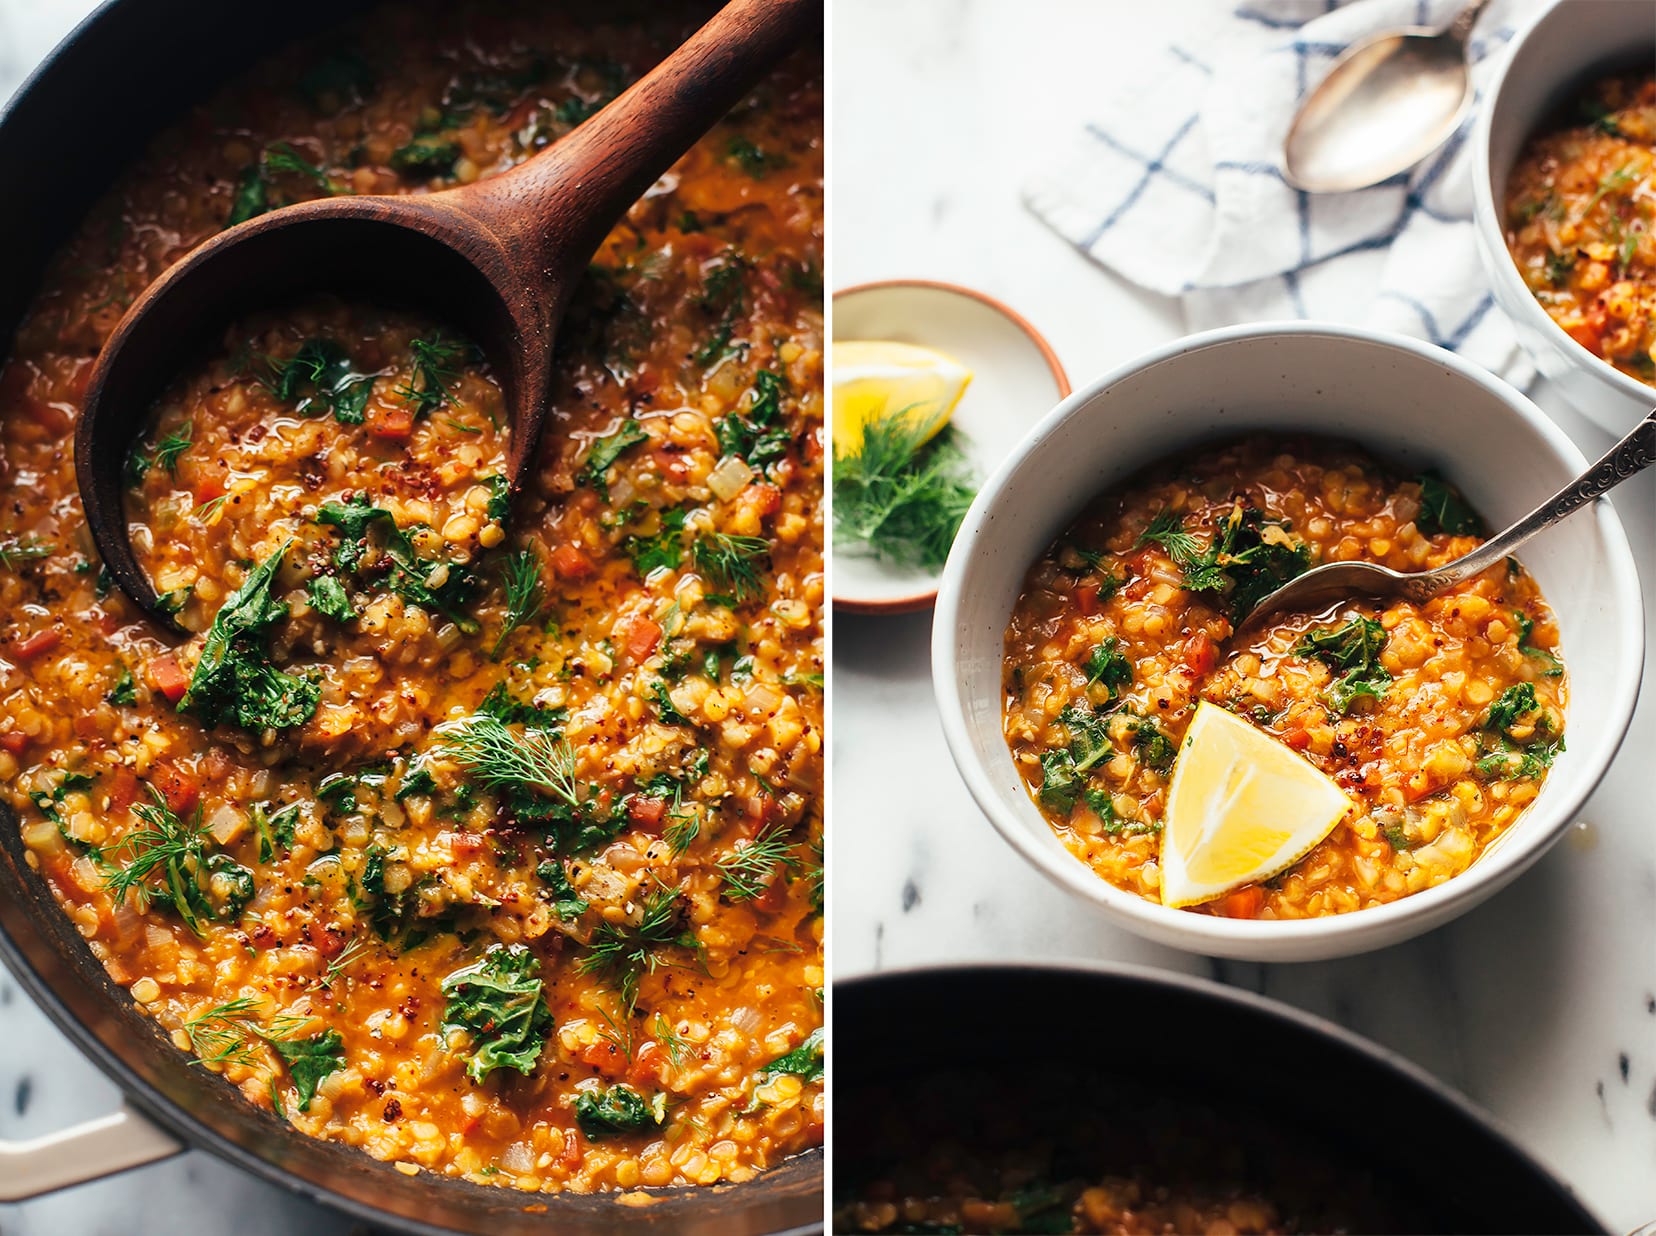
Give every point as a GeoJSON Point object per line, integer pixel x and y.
{"type": "Point", "coordinates": [166, 861]}
{"type": "Point", "coordinates": [1109, 668]}
{"type": "Point", "coordinates": [759, 435]}
{"type": "Point", "coordinates": [749, 869]}
{"type": "Point", "coordinates": [426, 156]}
{"type": "Point", "coordinates": [440, 587]}
{"type": "Point", "coordinates": [617, 1111]}
{"type": "Point", "coordinates": [603, 453]}
{"type": "Point", "coordinates": [15, 551]}
{"type": "Point", "coordinates": [731, 563]}
{"type": "Point", "coordinates": [901, 496]}
{"type": "Point", "coordinates": [524, 593]}
{"type": "Point", "coordinates": [663, 550]}
{"type": "Point", "coordinates": [430, 384]}
{"type": "Point", "coordinates": [1526, 624]}
{"type": "Point", "coordinates": [1249, 558]}
{"type": "Point", "coordinates": [328, 597]}
{"type": "Point", "coordinates": [234, 682]}
{"type": "Point", "coordinates": [309, 1061]}
{"type": "Point", "coordinates": [498, 1002]}
{"type": "Point", "coordinates": [318, 379]}
{"type": "Point", "coordinates": [623, 953]}
{"type": "Point", "coordinates": [1354, 649]}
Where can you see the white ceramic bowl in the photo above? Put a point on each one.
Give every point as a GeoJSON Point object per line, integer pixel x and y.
{"type": "Point", "coordinates": [1414, 405]}
{"type": "Point", "coordinates": [1547, 64]}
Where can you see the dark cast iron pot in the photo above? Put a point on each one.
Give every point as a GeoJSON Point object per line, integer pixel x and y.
{"type": "Point", "coordinates": [1447, 1158]}
{"type": "Point", "coordinates": [86, 114]}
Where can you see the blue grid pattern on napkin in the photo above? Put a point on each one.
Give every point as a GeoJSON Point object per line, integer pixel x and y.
{"type": "Point", "coordinates": [1145, 193]}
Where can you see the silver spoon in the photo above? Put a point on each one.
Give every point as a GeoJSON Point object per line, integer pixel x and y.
{"type": "Point", "coordinates": [1318, 589]}
{"type": "Point", "coordinates": [1387, 103]}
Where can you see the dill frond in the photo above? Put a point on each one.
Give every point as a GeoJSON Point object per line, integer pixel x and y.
{"type": "Point", "coordinates": [430, 384]}
{"type": "Point", "coordinates": [731, 563]}
{"type": "Point", "coordinates": [1167, 530]}
{"type": "Point", "coordinates": [749, 869]}
{"type": "Point", "coordinates": [502, 759]}
{"type": "Point", "coordinates": [15, 551]}
{"type": "Point", "coordinates": [900, 495]}
{"type": "Point", "coordinates": [623, 953]}
{"type": "Point", "coordinates": [524, 593]}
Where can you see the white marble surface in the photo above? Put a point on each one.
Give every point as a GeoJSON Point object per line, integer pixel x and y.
{"type": "Point", "coordinates": [1540, 1005]}
{"type": "Point", "coordinates": [45, 1084]}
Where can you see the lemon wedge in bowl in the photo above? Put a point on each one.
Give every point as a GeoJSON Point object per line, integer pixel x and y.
{"type": "Point", "coordinates": [1242, 807]}
{"type": "Point", "coordinates": [876, 380]}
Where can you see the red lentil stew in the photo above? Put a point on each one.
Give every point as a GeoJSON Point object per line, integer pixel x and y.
{"type": "Point", "coordinates": [487, 841]}
{"type": "Point", "coordinates": [1439, 720]}
{"type": "Point", "coordinates": [968, 1151]}
{"type": "Point", "coordinates": [1580, 202]}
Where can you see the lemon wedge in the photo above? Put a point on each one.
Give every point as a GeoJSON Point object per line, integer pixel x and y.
{"type": "Point", "coordinates": [1241, 808]}
{"type": "Point", "coordinates": [875, 380]}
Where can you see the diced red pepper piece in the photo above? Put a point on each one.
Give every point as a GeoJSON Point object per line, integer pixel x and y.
{"type": "Point", "coordinates": [14, 741]}
{"type": "Point", "coordinates": [1200, 653]}
{"type": "Point", "coordinates": [32, 646]}
{"type": "Point", "coordinates": [646, 812]}
{"type": "Point", "coordinates": [124, 788]}
{"type": "Point", "coordinates": [181, 790]}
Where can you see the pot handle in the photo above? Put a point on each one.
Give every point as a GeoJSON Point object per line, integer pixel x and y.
{"type": "Point", "coordinates": [81, 1153]}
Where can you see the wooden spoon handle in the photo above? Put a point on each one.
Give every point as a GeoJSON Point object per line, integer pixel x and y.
{"type": "Point", "coordinates": [557, 208]}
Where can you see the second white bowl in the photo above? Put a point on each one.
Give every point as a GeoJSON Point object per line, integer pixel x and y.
{"type": "Point", "coordinates": [1414, 405]}
{"type": "Point", "coordinates": [1558, 55]}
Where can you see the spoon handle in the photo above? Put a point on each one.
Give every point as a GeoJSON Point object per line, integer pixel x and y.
{"type": "Point", "coordinates": [1460, 29]}
{"type": "Point", "coordinates": [1634, 453]}
{"type": "Point", "coordinates": [556, 208]}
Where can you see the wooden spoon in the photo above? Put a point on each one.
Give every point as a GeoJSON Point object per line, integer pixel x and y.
{"type": "Point", "coordinates": [499, 257]}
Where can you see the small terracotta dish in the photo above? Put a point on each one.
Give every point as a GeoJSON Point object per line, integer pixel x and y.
{"type": "Point", "coordinates": [1016, 379]}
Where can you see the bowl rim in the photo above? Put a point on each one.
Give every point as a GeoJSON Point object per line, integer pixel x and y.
{"type": "Point", "coordinates": [1503, 270]}
{"type": "Point", "coordinates": [920, 600]}
{"type": "Point", "coordinates": [1338, 934]}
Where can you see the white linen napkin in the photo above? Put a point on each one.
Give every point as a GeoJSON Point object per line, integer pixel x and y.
{"type": "Point", "coordinates": [1177, 185]}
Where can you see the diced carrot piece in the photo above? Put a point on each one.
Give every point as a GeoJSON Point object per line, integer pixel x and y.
{"type": "Point", "coordinates": [167, 676]}
{"type": "Point", "coordinates": [181, 790]}
{"type": "Point", "coordinates": [1086, 600]}
{"type": "Point", "coordinates": [571, 561]}
{"type": "Point", "coordinates": [765, 498]}
{"type": "Point", "coordinates": [14, 741]}
{"type": "Point", "coordinates": [643, 634]}
{"type": "Point", "coordinates": [32, 646]}
{"type": "Point", "coordinates": [1243, 903]}
{"type": "Point", "coordinates": [391, 424]}
{"type": "Point", "coordinates": [646, 812]}
{"type": "Point", "coordinates": [605, 1057]}
{"type": "Point", "coordinates": [647, 1062]}
{"type": "Point", "coordinates": [209, 488]}
{"type": "Point", "coordinates": [1299, 740]}
{"type": "Point", "coordinates": [124, 787]}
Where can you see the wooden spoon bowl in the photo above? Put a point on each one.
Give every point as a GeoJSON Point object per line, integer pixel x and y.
{"type": "Point", "coordinates": [498, 258]}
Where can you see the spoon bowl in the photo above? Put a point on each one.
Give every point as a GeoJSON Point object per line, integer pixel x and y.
{"type": "Point", "coordinates": [499, 258]}
{"type": "Point", "coordinates": [1340, 581]}
{"type": "Point", "coordinates": [1387, 102]}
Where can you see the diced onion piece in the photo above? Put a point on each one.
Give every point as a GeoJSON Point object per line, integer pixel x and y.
{"type": "Point", "coordinates": [729, 478]}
